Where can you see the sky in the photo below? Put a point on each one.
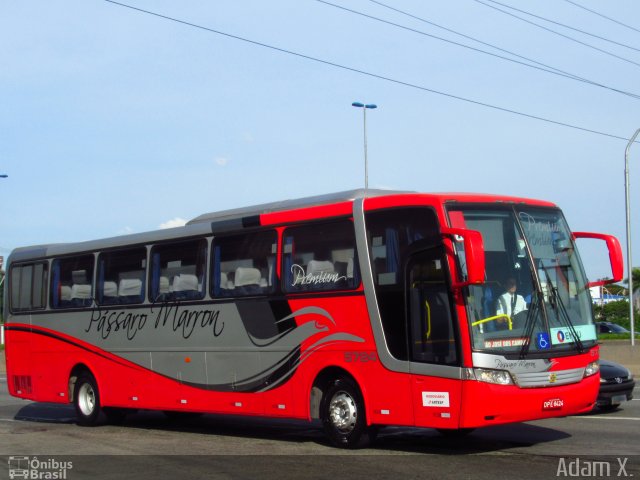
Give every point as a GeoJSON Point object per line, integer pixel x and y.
{"type": "Point", "coordinates": [115, 121]}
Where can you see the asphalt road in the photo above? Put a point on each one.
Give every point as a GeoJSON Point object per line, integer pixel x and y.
{"type": "Point", "coordinates": [148, 445]}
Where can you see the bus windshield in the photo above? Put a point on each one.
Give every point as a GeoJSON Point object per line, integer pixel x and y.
{"type": "Point", "coordinates": [535, 299]}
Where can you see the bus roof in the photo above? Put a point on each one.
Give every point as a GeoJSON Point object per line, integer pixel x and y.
{"type": "Point", "coordinates": [38, 251]}
{"type": "Point", "coordinates": [292, 204]}
{"type": "Point", "coordinates": [351, 195]}
{"type": "Point", "coordinates": [233, 219]}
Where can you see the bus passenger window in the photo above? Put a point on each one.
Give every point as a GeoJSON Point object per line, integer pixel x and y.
{"type": "Point", "coordinates": [178, 271]}
{"type": "Point", "coordinates": [28, 287]}
{"type": "Point", "coordinates": [320, 257]}
{"type": "Point", "coordinates": [72, 282]}
{"type": "Point", "coordinates": [244, 265]}
{"type": "Point", "coordinates": [121, 276]}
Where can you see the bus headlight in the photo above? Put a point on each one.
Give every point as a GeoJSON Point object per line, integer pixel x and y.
{"type": "Point", "coordinates": [592, 369]}
{"type": "Point", "coordinates": [498, 377]}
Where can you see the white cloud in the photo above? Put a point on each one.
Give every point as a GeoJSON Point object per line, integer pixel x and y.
{"type": "Point", "coordinates": [125, 231]}
{"type": "Point", "coordinates": [175, 222]}
{"type": "Point", "coordinates": [221, 161]}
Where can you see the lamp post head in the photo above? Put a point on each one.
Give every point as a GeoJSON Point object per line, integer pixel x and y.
{"type": "Point", "coordinates": [362, 105]}
{"type": "Point", "coordinates": [3, 175]}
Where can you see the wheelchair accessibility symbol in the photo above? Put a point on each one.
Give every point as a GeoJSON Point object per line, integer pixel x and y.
{"type": "Point", "coordinates": [542, 339]}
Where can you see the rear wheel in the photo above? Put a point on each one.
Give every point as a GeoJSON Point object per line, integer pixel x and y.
{"type": "Point", "coordinates": [86, 399]}
{"type": "Point", "coordinates": [343, 415]}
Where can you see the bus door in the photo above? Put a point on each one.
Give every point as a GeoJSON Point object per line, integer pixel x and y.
{"type": "Point", "coordinates": [433, 350]}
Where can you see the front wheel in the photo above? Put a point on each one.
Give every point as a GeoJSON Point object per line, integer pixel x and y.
{"type": "Point", "coordinates": [343, 415]}
{"type": "Point", "coordinates": [86, 399]}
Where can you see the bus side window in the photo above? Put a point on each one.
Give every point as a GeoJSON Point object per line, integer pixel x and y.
{"type": "Point", "coordinates": [121, 276]}
{"type": "Point", "coordinates": [72, 282]}
{"type": "Point", "coordinates": [320, 257]}
{"type": "Point", "coordinates": [178, 271]}
{"type": "Point", "coordinates": [244, 265]}
{"type": "Point", "coordinates": [28, 287]}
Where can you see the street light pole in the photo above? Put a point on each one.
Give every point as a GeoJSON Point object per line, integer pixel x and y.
{"type": "Point", "coordinates": [364, 108]}
{"type": "Point", "coordinates": [3, 175]}
{"type": "Point", "coordinates": [627, 205]}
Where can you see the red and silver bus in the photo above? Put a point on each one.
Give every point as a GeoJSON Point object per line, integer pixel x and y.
{"type": "Point", "coordinates": [360, 309]}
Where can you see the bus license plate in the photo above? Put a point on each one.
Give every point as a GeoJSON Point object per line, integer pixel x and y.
{"type": "Point", "coordinates": [618, 399]}
{"type": "Point", "coordinates": [553, 404]}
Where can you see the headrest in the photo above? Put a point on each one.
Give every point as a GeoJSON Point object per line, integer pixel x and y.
{"type": "Point", "coordinates": [130, 287]}
{"type": "Point", "coordinates": [110, 289]}
{"type": "Point", "coordinates": [319, 266]}
{"type": "Point", "coordinates": [163, 286]}
{"type": "Point", "coordinates": [185, 282]}
{"type": "Point", "coordinates": [247, 276]}
{"type": "Point", "coordinates": [79, 276]}
{"type": "Point", "coordinates": [80, 291]}
{"type": "Point", "coordinates": [65, 292]}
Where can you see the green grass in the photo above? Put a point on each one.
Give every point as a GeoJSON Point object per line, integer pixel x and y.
{"type": "Point", "coordinates": [616, 336]}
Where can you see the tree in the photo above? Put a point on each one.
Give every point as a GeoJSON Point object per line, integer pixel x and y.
{"type": "Point", "coordinates": [616, 312]}
{"type": "Point", "coordinates": [635, 278]}
{"type": "Point", "coordinates": [616, 289]}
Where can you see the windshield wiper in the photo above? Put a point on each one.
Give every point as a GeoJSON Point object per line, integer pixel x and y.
{"type": "Point", "coordinates": [558, 305]}
{"type": "Point", "coordinates": [530, 322]}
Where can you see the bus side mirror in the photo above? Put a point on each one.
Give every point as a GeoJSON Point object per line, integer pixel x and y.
{"type": "Point", "coordinates": [615, 256]}
{"type": "Point", "coordinates": [473, 253]}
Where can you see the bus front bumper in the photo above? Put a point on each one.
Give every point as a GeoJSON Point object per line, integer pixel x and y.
{"type": "Point", "coordinates": [488, 404]}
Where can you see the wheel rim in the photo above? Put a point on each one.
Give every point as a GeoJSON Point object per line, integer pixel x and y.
{"type": "Point", "coordinates": [343, 412]}
{"type": "Point", "coordinates": [87, 399]}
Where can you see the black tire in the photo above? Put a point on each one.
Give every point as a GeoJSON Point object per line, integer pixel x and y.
{"type": "Point", "coordinates": [86, 399]}
{"type": "Point", "coordinates": [343, 415]}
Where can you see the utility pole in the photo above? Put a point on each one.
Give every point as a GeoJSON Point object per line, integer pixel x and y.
{"type": "Point", "coordinates": [627, 204]}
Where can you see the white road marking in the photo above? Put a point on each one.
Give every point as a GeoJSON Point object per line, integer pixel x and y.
{"type": "Point", "coordinates": [598, 417]}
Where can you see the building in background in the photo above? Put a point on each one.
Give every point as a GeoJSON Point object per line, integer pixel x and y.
{"type": "Point", "coordinates": [601, 296]}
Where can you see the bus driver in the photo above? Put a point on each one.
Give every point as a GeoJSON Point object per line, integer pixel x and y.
{"type": "Point", "coordinates": [509, 303]}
